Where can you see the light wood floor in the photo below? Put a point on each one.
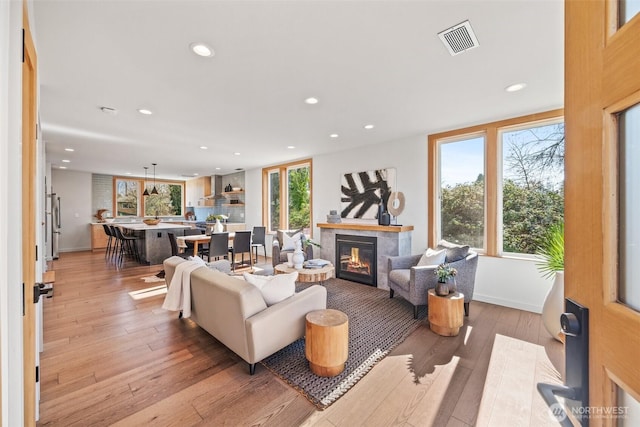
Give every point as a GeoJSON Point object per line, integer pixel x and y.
{"type": "Point", "coordinates": [111, 359]}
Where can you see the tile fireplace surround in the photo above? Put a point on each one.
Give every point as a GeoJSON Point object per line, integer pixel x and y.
{"type": "Point", "coordinates": [391, 241]}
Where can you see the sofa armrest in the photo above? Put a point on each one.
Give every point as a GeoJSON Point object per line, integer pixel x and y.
{"type": "Point", "coordinates": [403, 262]}
{"type": "Point", "coordinates": [281, 324]}
{"type": "Point", "coordinates": [275, 252]}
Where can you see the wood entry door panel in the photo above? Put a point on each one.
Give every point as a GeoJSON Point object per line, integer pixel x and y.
{"type": "Point", "coordinates": [602, 80]}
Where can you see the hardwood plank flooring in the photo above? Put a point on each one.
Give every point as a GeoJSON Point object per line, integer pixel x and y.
{"type": "Point", "coordinates": [110, 359]}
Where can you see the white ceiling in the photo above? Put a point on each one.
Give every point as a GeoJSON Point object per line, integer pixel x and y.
{"type": "Point", "coordinates": [378, 62]}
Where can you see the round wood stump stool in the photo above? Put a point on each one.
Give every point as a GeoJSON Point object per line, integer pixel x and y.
{"type": "Point", "coordinates": [445, 313]}
{"type": "Point", "coordinates": [327, 341]}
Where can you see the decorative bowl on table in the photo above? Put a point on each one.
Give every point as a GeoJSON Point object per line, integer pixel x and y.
{"type": "Point", "coordinates": [109, 220]}
{"type": "Point", "coordinates": [151, 221]}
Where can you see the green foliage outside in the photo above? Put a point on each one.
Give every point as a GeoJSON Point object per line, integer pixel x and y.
{"type": "Point", "coordinates": [299, 198]}
{"type": "Point", "coordinates": [168, 201]}
{"type": "Point", "coordinates": [463, 213]}
{"type": "Point", "coordinates": [274, 184]}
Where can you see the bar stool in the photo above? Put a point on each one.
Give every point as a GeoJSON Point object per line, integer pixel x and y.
{"type": "Point", "coordinates": [107, 231]}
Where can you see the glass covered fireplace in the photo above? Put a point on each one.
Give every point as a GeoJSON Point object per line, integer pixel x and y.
{"type": "Point", "coordinates": [356, 259]}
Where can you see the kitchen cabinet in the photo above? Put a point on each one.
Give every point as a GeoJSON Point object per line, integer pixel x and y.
{"type": "Point", "coordinates": [99, 238]}
{"type": "Point", "coordinates": [196, 190]}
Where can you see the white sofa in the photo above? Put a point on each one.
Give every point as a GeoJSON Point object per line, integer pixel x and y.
{"type": "Point", "coordinates": [235, 313]}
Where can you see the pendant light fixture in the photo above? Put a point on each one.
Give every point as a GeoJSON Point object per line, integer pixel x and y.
{"type": "Point", "coordinates": [146, 192]}
{"type": "Point", "coordinates": [155, 190]}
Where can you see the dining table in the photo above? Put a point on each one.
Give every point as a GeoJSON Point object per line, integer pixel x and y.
{"type": "Point", "coordinates": [197, 239]}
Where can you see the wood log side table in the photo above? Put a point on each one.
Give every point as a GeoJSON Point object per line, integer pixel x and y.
{"type": "Point", "coordinates": [327, 341]}
{"type": "Point", "coordinates": [445, 313]}
{"type": "Point", "coordinates": [308, 275]}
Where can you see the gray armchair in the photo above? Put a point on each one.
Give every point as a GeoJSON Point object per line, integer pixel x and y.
{"type": "Point", "coordinates": [279, 255]}
{"type": "Point", "coordinates": [412, 282]}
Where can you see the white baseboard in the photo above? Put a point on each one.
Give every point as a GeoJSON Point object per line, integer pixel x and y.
{"type": "Point", "coordinates": [507, 303]}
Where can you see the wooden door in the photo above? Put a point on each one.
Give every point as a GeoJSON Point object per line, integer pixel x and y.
{"type": "Point", "coordinates": [29, 120]}
{"type": "Point", "coordinates": [602, 84]}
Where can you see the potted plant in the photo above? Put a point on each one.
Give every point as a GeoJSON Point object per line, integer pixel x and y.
{"type": "Point", "coordinates": [551, 265]}
{"type": "Point", "coordinates": [446, 279]}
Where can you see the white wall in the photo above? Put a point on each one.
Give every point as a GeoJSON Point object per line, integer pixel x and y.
{"type": "Point", "coordinates": [74, 190]}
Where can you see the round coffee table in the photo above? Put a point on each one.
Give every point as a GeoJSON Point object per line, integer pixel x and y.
{"type": "Point", "coordinates": [308, 275]}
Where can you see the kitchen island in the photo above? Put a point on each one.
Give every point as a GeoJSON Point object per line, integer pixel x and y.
{"type": "Point", "coordinates": [153, 240]}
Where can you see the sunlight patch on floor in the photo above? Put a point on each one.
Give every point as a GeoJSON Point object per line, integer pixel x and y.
{"type": "Point", "coordinates": [148, 292]}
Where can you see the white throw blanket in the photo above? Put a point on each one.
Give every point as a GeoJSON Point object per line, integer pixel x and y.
{"type": "Point", "coordinates": [179, 292]}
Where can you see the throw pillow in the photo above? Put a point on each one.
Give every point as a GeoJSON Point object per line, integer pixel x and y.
{"type": "Point", "coordinates": [454, 252]}
{"type": "Point", "coordinates": [289, 242]}
{"type": "Point", "coordinates": [281, 234]}
{"type": "Point", "coordinates": [433, 257]}
{"type": "Point", "coordinates": [274, 288]}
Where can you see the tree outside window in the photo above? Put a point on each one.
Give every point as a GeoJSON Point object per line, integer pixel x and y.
{"type": "Point", "coordinates": [287, 203]}
{"type": "Point", "coordinates": [499, 186]}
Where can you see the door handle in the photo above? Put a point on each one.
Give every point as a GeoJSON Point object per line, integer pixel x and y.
{"type": "Point", "coordinates": [575, 326]}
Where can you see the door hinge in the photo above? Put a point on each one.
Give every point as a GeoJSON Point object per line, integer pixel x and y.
{"type": "Point", "coordinates": [37, 374]}
{"type": "Point", "coordinates": [36, 252]}
{"type": "Point", "coordinates": [23, 302]}
{"type": "Point", "coordinates": [23, 36]}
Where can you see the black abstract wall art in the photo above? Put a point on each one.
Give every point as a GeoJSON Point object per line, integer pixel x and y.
{"type": "Point", "coordinates": [362, 191]}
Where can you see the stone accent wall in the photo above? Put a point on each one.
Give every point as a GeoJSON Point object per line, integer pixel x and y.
{"type": "Point", "coordinates": [389, 243]}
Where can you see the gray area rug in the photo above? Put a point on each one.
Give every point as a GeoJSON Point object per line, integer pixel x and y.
{"type": "Point", "coordinates": [376, 325]}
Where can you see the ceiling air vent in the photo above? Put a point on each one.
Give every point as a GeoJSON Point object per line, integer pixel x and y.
{"type": "Point", "coordinates": [459, 38]}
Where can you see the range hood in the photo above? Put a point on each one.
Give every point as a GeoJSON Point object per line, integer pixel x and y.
{"type": "Point", "coordinates": [216, 188]}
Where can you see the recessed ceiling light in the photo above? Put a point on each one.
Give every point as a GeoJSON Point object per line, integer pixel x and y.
{"type": "Point", "coordinates": [201, 49]}
{"type": "Point", "coordinates": [311, 100]}
{"type": "Point", "coordinates": [217, 169]}
{"type": "Point", "coordinates": [62, 167]}
{"type": "Point", "coordinates": [127, 173]}
{"type": "Point", "coordinates": [145, 111]}
{"type": "Point", "coordinates": [291, 147]}
{"type": "Point", "coordinates": [196, 174]}
{"type": "Point", "coordinates": [334, 135]}
{"type": "Point", "coordinates": [515, 87]}
{"type": "Point", "coordinates": [367, 127]}
{"type": "Point", "coordinates": [66, 161]}
{"type": "Point", "coordinates": [69, 149]}
{"type": "Point", "coordinates": [236, 154]}
{"type": "Point", "coordinates": [203, 147]}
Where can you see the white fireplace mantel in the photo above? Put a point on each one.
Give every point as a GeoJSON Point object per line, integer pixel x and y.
{"type": "Point", "coordinates": [391, 240]}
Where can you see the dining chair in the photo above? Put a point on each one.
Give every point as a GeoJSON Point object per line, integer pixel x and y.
{"type": "Point", "coordinates": [110, 239]}
{"type": "Point", "coordinates": [241, 244]}
{"type": "Point", "coordinates": [258, 239]}
{"type": "Point", "coordinates": [174, 247]}
{"type": "Point", "coordinates": [218, 246]}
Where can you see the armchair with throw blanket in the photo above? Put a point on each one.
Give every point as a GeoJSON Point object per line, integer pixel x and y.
{"type": "Point", "coordinates": [285, 242]}
{"type": "Point", "coordinates": [413, 275]}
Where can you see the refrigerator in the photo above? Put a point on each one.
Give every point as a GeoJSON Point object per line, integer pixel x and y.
{"type": "Point", "coordinates": [56, 225]}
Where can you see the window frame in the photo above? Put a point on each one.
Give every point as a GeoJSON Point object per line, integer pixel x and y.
{"type": "Point", "coordinates": [141, 199]}
{"type": "Point", "coordinates": [283, 170]}
{"type": "Point", "coordinates": [493, 176]}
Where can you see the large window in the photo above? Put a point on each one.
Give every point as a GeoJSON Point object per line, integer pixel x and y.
{"type": "Point", "coordinates": [130, 201]}
{"type": "Point", "coordinates": [498, 187]}
{"type": "Point", "coordinates": [287, 196]}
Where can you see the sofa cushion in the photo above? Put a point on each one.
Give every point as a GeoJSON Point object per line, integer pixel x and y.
{"type": "Point", "coordinates": [401, 277]}
{"type": "Point", "coordinates": [274, 288]}
{"type": "Point", "coordinates": [454, 252]}
{"type": "Point", "coordinates": [433, 257]}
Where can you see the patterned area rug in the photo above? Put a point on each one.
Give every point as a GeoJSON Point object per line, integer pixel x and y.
{"type": "Point", "coordinates": [376, 325]}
